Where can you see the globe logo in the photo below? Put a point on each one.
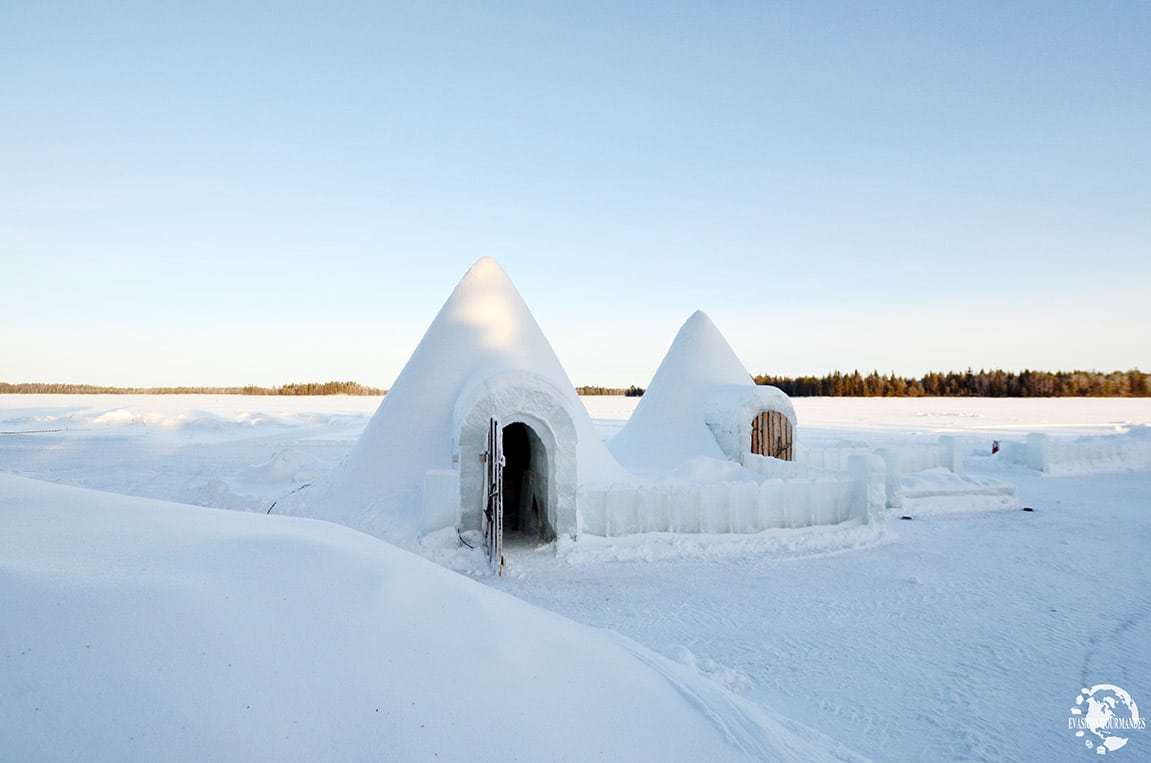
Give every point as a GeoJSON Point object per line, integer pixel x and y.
{"type": "Point", "coordinates": [1102, 716]}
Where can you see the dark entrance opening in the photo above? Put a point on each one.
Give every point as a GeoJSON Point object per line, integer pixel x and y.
{"type": "Point", "coordinates": [525, 461]}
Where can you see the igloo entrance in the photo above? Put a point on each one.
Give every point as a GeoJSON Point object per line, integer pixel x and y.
{"type": "Point", "coordinates": [537, 444]}
{"type": "Point", "coordinates": [524, 474]}
{"type": "Point", "coordinates": [772, 435]}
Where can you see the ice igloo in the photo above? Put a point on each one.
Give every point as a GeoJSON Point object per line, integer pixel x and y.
{"type": "Point", "coordinates": [483, 408]}
{"type": "Point", "coordinates": [709, 446]}
{"type": "Point", "coordinates": [421, 463]}
{"type": "Point", "coordinates": [702, 402]}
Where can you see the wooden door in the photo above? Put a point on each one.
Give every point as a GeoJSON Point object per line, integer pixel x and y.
{"type": "Point", "coordinates": [771, 435]}
{"type": "Point", "coordinates": [494, 503]}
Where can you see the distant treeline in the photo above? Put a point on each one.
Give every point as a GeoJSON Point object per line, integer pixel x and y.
{"type": "Point", "coordinates": [632, 391]}
{"type": "Point", "coordinates": [968, 384]}
{"type": "Point", "coordinates": [312, 388]}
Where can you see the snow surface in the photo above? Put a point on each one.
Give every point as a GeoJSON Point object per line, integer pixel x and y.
{"type": "Point", "coordinates": [142, 630]}
{"type": "Point", "coordinates": [952, 638]}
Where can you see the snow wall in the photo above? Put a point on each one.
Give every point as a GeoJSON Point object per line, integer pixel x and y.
{"type": "Point", "coordinates": [749, 506]}
{"type": "Point", "coordinates": [947, 453]}
{"type": "Point", "coordinates": [1081, 455]}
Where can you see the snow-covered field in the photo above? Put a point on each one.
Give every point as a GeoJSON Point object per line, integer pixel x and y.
{"type": "Point", "coordinates": [135, 629]}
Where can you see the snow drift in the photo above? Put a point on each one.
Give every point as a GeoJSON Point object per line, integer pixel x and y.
{"type": "Point", "coordinates": [142, 630]}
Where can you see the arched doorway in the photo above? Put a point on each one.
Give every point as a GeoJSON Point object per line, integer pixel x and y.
{"type": "Point", "coordinates": [502, 401]}
{"type": "Point", "coordinates": [525, 483]}
{"type": "Point", "coordinates": [771, 435]}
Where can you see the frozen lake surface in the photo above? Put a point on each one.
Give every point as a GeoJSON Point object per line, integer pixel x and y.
{"type": "Point", "coordinates": [958, 638]}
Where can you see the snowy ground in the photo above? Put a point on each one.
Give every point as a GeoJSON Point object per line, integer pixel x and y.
{"type": "Point", "coordinates": [958, 638]}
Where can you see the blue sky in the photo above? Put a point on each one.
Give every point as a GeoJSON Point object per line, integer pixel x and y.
{"type": "Point", "coordinates": [235, 193]}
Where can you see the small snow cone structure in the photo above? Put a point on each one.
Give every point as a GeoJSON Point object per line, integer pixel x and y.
{"type": "Point", "coordinates": [702, 402]}
{"type": "Point", "coordinates": [713, 451]}
{"type": "Point", "coordinates": [483, 368]}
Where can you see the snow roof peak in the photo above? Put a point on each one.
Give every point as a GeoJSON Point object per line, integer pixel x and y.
{"type": "Point", "coordinates": [698, 315]}
{"type": "Point", "coordinates": [485, 273]}
{"type": "Point", "coordinates": [487, 304]}
{"type": "Point", "coordinates": [699, 354]}
{"type": "Point", "coordinates": [486, 264]}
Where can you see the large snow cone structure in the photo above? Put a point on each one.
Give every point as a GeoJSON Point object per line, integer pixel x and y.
{"type": "Point", "coordinates": [702, 402]}
{"type": "Point", "coordinates": [419, 465]}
